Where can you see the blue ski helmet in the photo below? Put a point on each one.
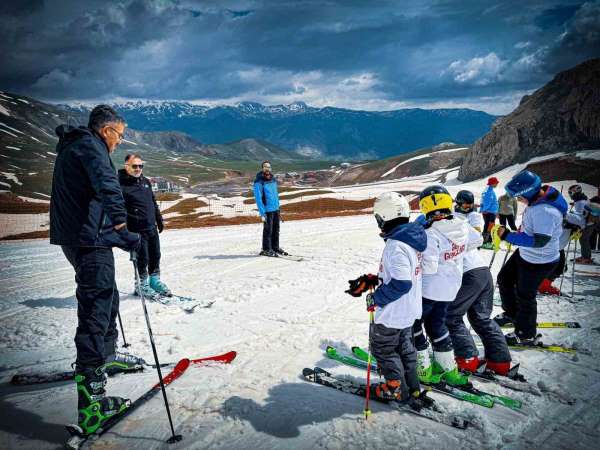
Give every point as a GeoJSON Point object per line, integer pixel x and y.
{"type": "Point", "coordinates": [524, 184]}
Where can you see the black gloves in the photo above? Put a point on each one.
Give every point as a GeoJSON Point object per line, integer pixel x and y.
{"type": "Point", "coordinates": [362, 284]}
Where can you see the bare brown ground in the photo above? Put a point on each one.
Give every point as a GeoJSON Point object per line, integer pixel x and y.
{"type": "Point", "coordinates": [12, 204]}
{"type": "Point", "coordinates": [252, 201]}
{"type": "Point", "coordinates": [167, 196]}
{"type": "Point", "coordinates": [187, 206]}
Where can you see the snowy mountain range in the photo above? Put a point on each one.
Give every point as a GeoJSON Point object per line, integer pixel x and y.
{"type": "Point", "coordinates": [332, 133]}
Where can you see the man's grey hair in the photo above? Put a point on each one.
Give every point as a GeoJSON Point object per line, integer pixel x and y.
{"type": "Point", "coordinates": [103, 115]}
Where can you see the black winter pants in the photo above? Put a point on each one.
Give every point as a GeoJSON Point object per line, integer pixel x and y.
{"type": "Point", "coordinates": [560, 267]}
{"type": "Point", "coordinates": [476, 299]}
{"type": "Point", "coordinates": [148, 261]}
{"type": "Point", "coordinates": [434, 319]}
{"type": "Point", "coordinates": [518, 282]}
{"type": "Point", "coordinates": [97, 303]}
{"type": "Point", "coordinates": [271, 231]}
{"type": "Point", "coordinates": [396, 356]}
{"type": "Point", "coordinates": [504, 218]}
{"type": "Point", "coordinates": [488, 218]}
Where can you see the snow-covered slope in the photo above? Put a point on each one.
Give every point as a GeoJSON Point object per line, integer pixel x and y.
{"type": "Point", "coordinates": [279, 315]}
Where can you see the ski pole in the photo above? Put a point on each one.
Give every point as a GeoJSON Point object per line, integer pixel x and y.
{"type": "Point", "coordinates": [174, 437]}
{"type": "Point", "coordinates": [562, 275]}
{"type": "Point", "coordinates": [125, 344]}
{"type": "Point", "coordinates": [574, 262]}
{"type": "Point", "coordinates": [508, 250]}
{"type": "Point", "coordinates": [367, 411]}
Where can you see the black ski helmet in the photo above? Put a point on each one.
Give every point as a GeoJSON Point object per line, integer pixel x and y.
{"type": "Point", "coordinates": [464, 197]}
{"type": "Point", "coordinates": [574, 190]}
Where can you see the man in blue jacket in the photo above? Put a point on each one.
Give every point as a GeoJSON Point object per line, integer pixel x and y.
{"type": "Point", "coordinates": [88, 218]}
{"type": "Point", "coordinates": [267, 201]}
{"type": "Point", "coordinates": [489, 210]}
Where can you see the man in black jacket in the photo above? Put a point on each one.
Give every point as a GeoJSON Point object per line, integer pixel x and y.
{"type": "Point", "coordinates": [143, 217]}
{"type": "Point", "coordinates": [88, 218]}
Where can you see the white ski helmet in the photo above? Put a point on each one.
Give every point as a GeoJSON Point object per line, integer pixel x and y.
{"type": "Point", "coordinates": [389, 206]}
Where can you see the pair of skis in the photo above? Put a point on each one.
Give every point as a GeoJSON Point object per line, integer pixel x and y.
{"type": "Point", "coordinates": [466, 393]}
{"type": "Point", "coordinates": [433, 413]}
{"type": "Point", "coordinates": [78, 438]}
{"type": "Point", "coordinates": [23, 379]}
{"type": "Point", "coordinates": [188, 304]}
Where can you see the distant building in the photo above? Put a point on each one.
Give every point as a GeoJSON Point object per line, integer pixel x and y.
{"type": "Point", "coordinates": [160, 184]}
{"type": "Point", "coordinates": [345, 165]}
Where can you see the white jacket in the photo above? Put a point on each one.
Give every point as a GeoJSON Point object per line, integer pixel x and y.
{"type": "Point", "coordinates": [442, 262]}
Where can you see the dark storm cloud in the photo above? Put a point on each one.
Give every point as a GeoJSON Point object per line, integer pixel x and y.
{"type": "Point", "coordinates": [347, 53]}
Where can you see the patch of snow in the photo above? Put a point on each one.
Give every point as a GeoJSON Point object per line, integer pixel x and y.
{"type": "Point", "coordinates": [51, 153]}
{"type": "Point", "coordinates": [4, 111]}
{"type": "Point", "coordinates": [5, 184]}
{"type": "Point", "coordinates": [389, 172]}
{"type": "Point", "coordinates": [129, 142]}
{"type": "Point", "coordinates": [37, 140]}
{"type": "Point", "coordinates": [588, 154]}
{"type": "Point", "coordinates": [12, 177]}
{"type": "Point", "coordinates": [35, 200]}
{"type": "Point", "coordinates": [5, 96]}
{"type": "Point", "coordinates": [43, 195]}
{"type": "Point", "coordinates": [13, 148]}
{"type": "Point", "coordinates": [11, 128]}
{"type": "Point", "coordinates": [4, 156]}
{"type": "Point", "coordinates": [32, 173]}
{"type": "Point", "coordinates": [452, 150]}
{"type": "Point", "coordinates": [23, 101]}
{"type": "Point", "coordinates": [8, 132]}
{"type": "Point", "coordinates": [40, 155]}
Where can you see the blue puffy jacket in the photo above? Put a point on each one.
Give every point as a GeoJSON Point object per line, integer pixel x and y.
{"type": "Point", "coordinates": [86, 201]}
{"type": "Point", "coordinates": [489, 202]}
{"type": "Point", "coordinates": [265, 194]}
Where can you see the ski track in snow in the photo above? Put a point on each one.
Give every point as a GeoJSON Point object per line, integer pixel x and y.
{"type": "Point", "coordinates": [279, 315]}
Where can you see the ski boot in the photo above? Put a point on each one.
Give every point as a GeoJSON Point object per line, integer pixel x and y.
{"type": "Point", "coordinates": [389, 390]}
{"type": "Point", "coordinates": [547, 288]}
{"type": "Point", "coordinates": [499, 367]}
{"type": "Point", "coordinates": [425, 368]}
{"type": "Point", "coordinates": [149, 293]}
{"type": "Point", "coordinates": [282, 252]}
{"type": "Point", "coordinates": [503, 319]}
{"type": "Point", "coordinates": [419, 400]}
{"type": "Point", "coordinates": [270, 253]}
{"type": "Point", "coordinates": [515, 339]}
{"type": "Point", "coordinates": [123, 362]}
{"type": "Point", "coordinates": [468, 364]}
{"type": "Point", "coordinates": [445, 366]}
{"type": "Point", "coordinates": [159, 286]}
{"type": "Point", "coordinates": [94, 407]}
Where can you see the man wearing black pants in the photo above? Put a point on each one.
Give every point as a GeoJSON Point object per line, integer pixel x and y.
{"type": "Point", "coordinates": [536, 258]}
{"type": "Point", "coordinates": [143, 217]}
{"type": "Point", "coordinates": [267, 202]}
{"type": "Point", "coordinates": [87, 219]}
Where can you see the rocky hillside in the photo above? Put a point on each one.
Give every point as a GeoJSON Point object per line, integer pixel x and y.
{"type": "Point", "coordinates": [564, 115]}
{"type": "Point", "coordinates": [424, 161]}
{"type": "Point", "coordinates": [321, 132]}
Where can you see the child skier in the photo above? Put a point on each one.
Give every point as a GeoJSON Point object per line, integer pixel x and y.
{"type": "Point", "coordinates": [475, 298]}
{"type": "Point", "coordinates": [536, 257]}
{"type": "Point", "coordinates": [396, 301]}
{"type": "Point", "coordinates": [447, 238]}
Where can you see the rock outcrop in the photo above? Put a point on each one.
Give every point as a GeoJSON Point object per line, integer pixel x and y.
{"type": "Point", "coordinates": [564, 115]}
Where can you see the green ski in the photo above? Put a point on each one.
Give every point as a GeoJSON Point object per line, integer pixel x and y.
{"type": "Point", "coordinates": [500, 399]}
{"type": "Point", "coordinates": [477, 399]}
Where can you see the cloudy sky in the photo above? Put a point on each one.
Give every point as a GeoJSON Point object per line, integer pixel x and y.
{"type": "Point", "coordinates": [372, 55]}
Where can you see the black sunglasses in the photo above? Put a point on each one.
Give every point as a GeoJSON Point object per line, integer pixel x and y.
{"type": "Point", "coordinates": [137, 166]}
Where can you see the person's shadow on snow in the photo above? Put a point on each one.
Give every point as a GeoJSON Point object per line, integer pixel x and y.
{"type": "Point", "coordinates": [291, 405]}
{"type": "Point", "coordinates": [26, 425]}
